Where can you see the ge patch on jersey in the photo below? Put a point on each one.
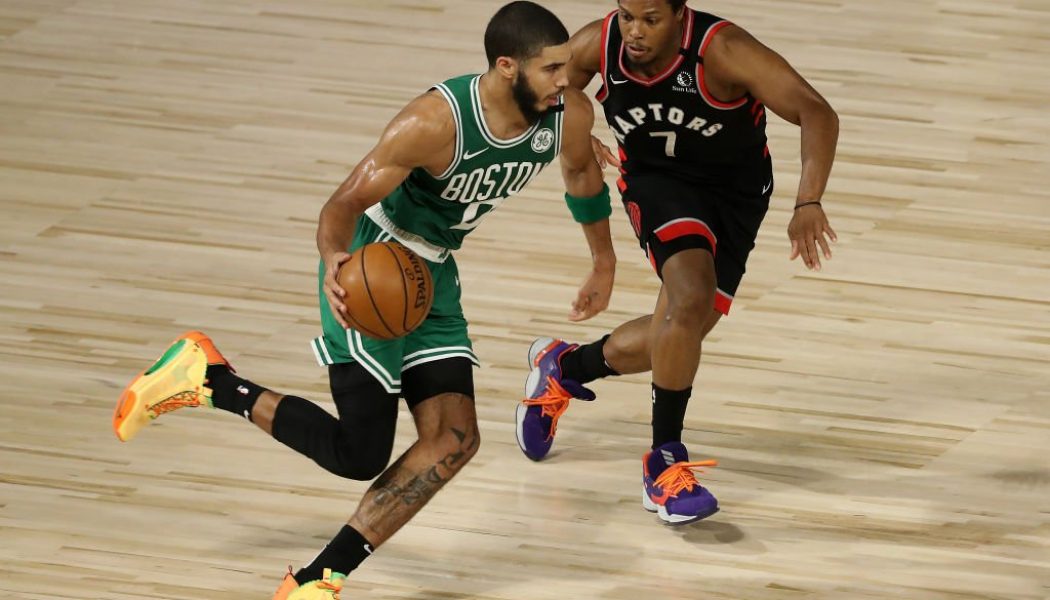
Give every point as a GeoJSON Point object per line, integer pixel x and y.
{"type": "Point", "coordinates": [542, 140]}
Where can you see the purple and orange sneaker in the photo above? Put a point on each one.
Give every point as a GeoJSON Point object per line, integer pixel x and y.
{"type": "Point", "coordinates": [547, 397]}
{"type": "Point", "coordinates": [670, 489]}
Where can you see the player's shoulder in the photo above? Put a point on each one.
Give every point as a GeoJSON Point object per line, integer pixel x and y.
{"type": "Point", "coordinates": [586, 43]}
{"type": "Point", "coordinates": [729, 37]}
{"type": "Point", "coordinates": [428, 114]}
{"type": "Point", "coordinates": [423, 127]}
{"type": "Point", "coordinates": [591, 30]}
{"type": "Point", "coordinates": [432, 107]}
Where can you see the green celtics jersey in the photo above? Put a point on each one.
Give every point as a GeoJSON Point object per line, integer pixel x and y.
{"type": "Point", "coordinates": [431, 214]}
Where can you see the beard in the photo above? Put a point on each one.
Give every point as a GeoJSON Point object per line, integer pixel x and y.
{"type": "Point", "coordinates": [526, 99]}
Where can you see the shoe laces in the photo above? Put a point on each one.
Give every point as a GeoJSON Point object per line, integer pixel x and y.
{"type": "Point", "coordinates": [180, 400]}
{"type": "Point", "coordinates": [332, 587]}
{"type": "Point", "coordinates": [679, 476]}
{"type": "Point", "coordinates": [329, 583]}
{"type": "Point", "coordinates": [555, 401]}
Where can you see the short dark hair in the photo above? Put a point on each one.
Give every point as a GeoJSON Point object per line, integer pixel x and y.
{"type": "Point", "coordinates": [676, 5]}
{"type": "Point", "coordinates": [522, 30]}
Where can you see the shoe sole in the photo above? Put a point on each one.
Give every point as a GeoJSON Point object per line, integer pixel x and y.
{"type": "Point", "coordinates": [531, 383]}
{"type": "Point", "coordinates": [519, 417]}
{"type": "Point", "coordinates": [539, 345]}
{"type": "Point", "coordinates": [191, 352]}
{"type": "Point", "coordinates": [668, 518]}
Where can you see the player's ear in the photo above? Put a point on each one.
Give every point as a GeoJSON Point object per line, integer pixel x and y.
{"type": "Point", "coordinates": [507, 67]}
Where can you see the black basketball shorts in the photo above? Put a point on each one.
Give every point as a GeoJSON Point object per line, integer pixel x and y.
{"type": "Point", "coordinates": [670, 214]}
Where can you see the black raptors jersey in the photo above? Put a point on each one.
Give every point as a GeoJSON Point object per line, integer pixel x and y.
{"type": "Point", "coordinates": [670, 123]}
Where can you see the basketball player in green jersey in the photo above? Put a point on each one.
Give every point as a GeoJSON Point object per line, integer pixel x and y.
{"type": "Point", "coordinates": [449, 158]}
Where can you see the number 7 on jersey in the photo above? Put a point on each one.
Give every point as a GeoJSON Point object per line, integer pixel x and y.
{"type": "Point", "coordinates": [671, 136]}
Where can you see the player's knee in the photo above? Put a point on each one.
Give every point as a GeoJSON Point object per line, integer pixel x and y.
{"type": "Point", "coordinates": [361, 463]}
{"type": "Point", "coordinates": [619, 348]}
{"type": "Point", "coordinates": [362, 447]}
{"type": "Point", "coordinates": [470, 445]}
{"type": "Point", "coordinates": [466, 448]}
{"type": "Point", "coordinates": [691, 303]}
{"type": "Point", "coordinates": [459, 441]}
{"type": "Point", "coordinates": [690, 284]}
{"type": "Point", "coordinates": [454, 435]}
{"type": "Point", "coordinates": [363, 451]}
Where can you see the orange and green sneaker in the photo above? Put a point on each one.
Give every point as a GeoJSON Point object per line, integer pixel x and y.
{"type": "Point", "coordinates": [175, 381]}
{"type": "Point", "coordinates": [326, 588]}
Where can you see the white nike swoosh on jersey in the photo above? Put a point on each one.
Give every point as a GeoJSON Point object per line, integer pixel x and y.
{"type": "Point", "coordinates": [766, 189]}
{"type": "Point", "coordinates": [616, 81]}
{"type": "Point", "coordinates": [470, 155]}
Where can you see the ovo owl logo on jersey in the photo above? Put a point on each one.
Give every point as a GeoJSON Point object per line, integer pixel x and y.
{"type": "Point", "coordinates": [542, 140]}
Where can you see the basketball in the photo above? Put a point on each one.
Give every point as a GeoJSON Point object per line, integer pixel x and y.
{"type": "Point", "coordinates": [389, 290]}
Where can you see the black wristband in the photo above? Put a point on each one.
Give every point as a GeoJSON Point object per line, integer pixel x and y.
{"type": "Point", "coordinates": [798, 206]}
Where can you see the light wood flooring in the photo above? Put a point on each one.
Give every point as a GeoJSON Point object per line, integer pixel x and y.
{"type": "Point", "coordinates": [883, 426]}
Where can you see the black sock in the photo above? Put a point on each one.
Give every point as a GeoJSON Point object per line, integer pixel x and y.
{"type": "Point", "coordinates": [586, 363]}
{"type": "Point", "coordinates": [669, 414]}
{"type": "Point", "coordinates": [343, 554]}
{"type": "Point", "coordinates": [230, 392]}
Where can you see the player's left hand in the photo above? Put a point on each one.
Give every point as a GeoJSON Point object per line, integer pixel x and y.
{"type": "Point", "coordinates": [808, 230]}
{"type": "Point", "coordinates": [594, 294]}
{"type": "Point", "coordinates": [603, 155]}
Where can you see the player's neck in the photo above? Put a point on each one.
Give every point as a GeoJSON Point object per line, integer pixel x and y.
{"type": "Point", "coordinates": [501, 113]}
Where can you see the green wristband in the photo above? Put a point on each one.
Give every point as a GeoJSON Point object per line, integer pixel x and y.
{"type": "Point", "coordinates": [592, 209]}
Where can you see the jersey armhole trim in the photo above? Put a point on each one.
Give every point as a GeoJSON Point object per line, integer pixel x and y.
{"type": "Point", "coordinates": [458, 148]}
{"type": "Point", "coordinates": [603, 92]}
{"type": "Point", "coordinates": [559, 119]}
{"type": "Point", "coordinates": [701, 84]}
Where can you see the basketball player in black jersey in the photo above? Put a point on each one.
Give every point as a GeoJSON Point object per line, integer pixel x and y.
{"type": "Point", "coordinates": [685, 94]}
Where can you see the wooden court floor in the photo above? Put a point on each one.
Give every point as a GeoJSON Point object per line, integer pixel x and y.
{"type": "Point", "coordinates": [883, 426]}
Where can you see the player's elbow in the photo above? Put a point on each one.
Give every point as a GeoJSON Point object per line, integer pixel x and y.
{"type": "Point", "coordinates": [831, 116]}
{"type": "Point", "coordinates": [823, 109]}
{"type": "Point", "coordinates": [347, 199]}
{"type": "Point", "coordinates": [583, 180]}
{"type": "Point", "coordinates": [341, 208]}
{"type": "Point", "coordinates": [817, 113]}
{"type": "Point", "coordinates": [832, 126]}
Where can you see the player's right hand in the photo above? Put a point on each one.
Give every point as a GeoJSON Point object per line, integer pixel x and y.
{"type": "Point", "coordinates": [335, 294]}
{"type": "Point", "coordinates": [594, 294]}
{"type": "Point", "coordinates": [603, 154]}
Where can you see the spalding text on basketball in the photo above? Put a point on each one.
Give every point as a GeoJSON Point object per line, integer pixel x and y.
{"type": "Point", "coordinates": [415, 274]}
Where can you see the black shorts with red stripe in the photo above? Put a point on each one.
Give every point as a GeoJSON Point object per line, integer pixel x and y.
{"type": "Point", "coordinates": [669, 215]}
